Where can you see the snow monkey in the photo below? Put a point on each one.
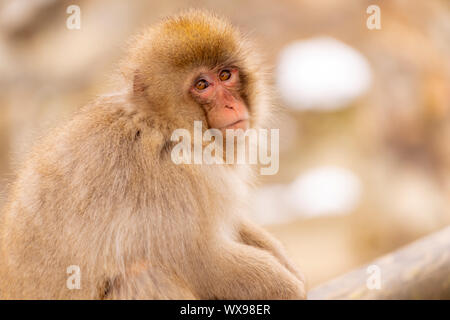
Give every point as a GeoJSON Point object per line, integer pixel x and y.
{"type": "Point", "coordinates": [100, 211]}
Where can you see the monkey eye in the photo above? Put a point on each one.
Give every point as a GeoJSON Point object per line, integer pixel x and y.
{"type": "Point", "coordinates": [224, 75]}
{"type": "Point", "coordinates": [201, 84]}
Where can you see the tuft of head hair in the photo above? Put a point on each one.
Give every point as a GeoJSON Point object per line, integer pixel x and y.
{"type": "Point", "coordinates": [191, 38]}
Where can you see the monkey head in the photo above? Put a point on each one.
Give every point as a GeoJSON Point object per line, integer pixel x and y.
{"type": "Point", "coordinates": [197, 66]}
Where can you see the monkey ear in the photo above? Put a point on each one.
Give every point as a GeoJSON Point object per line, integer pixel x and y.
{"type": "Point", "coordinates": [139, 85]}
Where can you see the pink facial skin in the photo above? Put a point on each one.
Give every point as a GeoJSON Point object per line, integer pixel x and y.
{"type": "Point", "coordinates": [224, 107]}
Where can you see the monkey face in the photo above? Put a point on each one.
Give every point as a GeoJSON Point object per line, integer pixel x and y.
{"type": "Point", "coordinates": [197, 66]}
{"type": "Point", "coordinates": [217, 92]}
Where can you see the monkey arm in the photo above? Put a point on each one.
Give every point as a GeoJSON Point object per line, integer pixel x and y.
{"type": "Point", "coordinates": [253, 235]}
{"type": "Point", "coordinates": [241, 271]}
{"type": "Point", "coordinates": [143, 282]}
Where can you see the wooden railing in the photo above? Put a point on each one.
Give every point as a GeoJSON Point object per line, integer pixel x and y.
{"type": "Point", "coordinates": [420, 270]}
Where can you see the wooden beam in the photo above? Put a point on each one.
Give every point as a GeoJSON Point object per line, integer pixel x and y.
{"type": "Point", "coordinates": [420, 270]}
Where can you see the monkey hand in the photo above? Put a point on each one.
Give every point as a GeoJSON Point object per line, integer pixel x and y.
{"type": "Point", "coordinates": [254, 235]}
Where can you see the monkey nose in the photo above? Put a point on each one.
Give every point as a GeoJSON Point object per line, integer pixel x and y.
{"type": "Point", "coordinates": [229, 107]}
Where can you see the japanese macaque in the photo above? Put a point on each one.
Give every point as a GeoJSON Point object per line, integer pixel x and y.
{"type": "Point", "coordinates": [100, 199]}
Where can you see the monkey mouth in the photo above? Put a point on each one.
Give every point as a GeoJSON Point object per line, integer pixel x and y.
{"type": "Point", "coordinates": [240, 124]}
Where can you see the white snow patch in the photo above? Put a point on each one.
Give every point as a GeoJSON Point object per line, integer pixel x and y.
{"type": "Point", "coordinates": [322, 74]}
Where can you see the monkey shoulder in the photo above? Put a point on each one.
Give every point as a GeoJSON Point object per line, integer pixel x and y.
{"type": "Point", "coordinates": [119, 122]}
{"type": "Point", "coordinates": [109, 133]}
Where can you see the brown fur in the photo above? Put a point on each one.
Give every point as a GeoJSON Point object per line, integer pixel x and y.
{"type": "Point", "coordinates": [102, 193]}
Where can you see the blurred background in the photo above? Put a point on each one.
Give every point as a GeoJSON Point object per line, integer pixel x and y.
{"type": "Point", "coordinates": [365, 121]}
